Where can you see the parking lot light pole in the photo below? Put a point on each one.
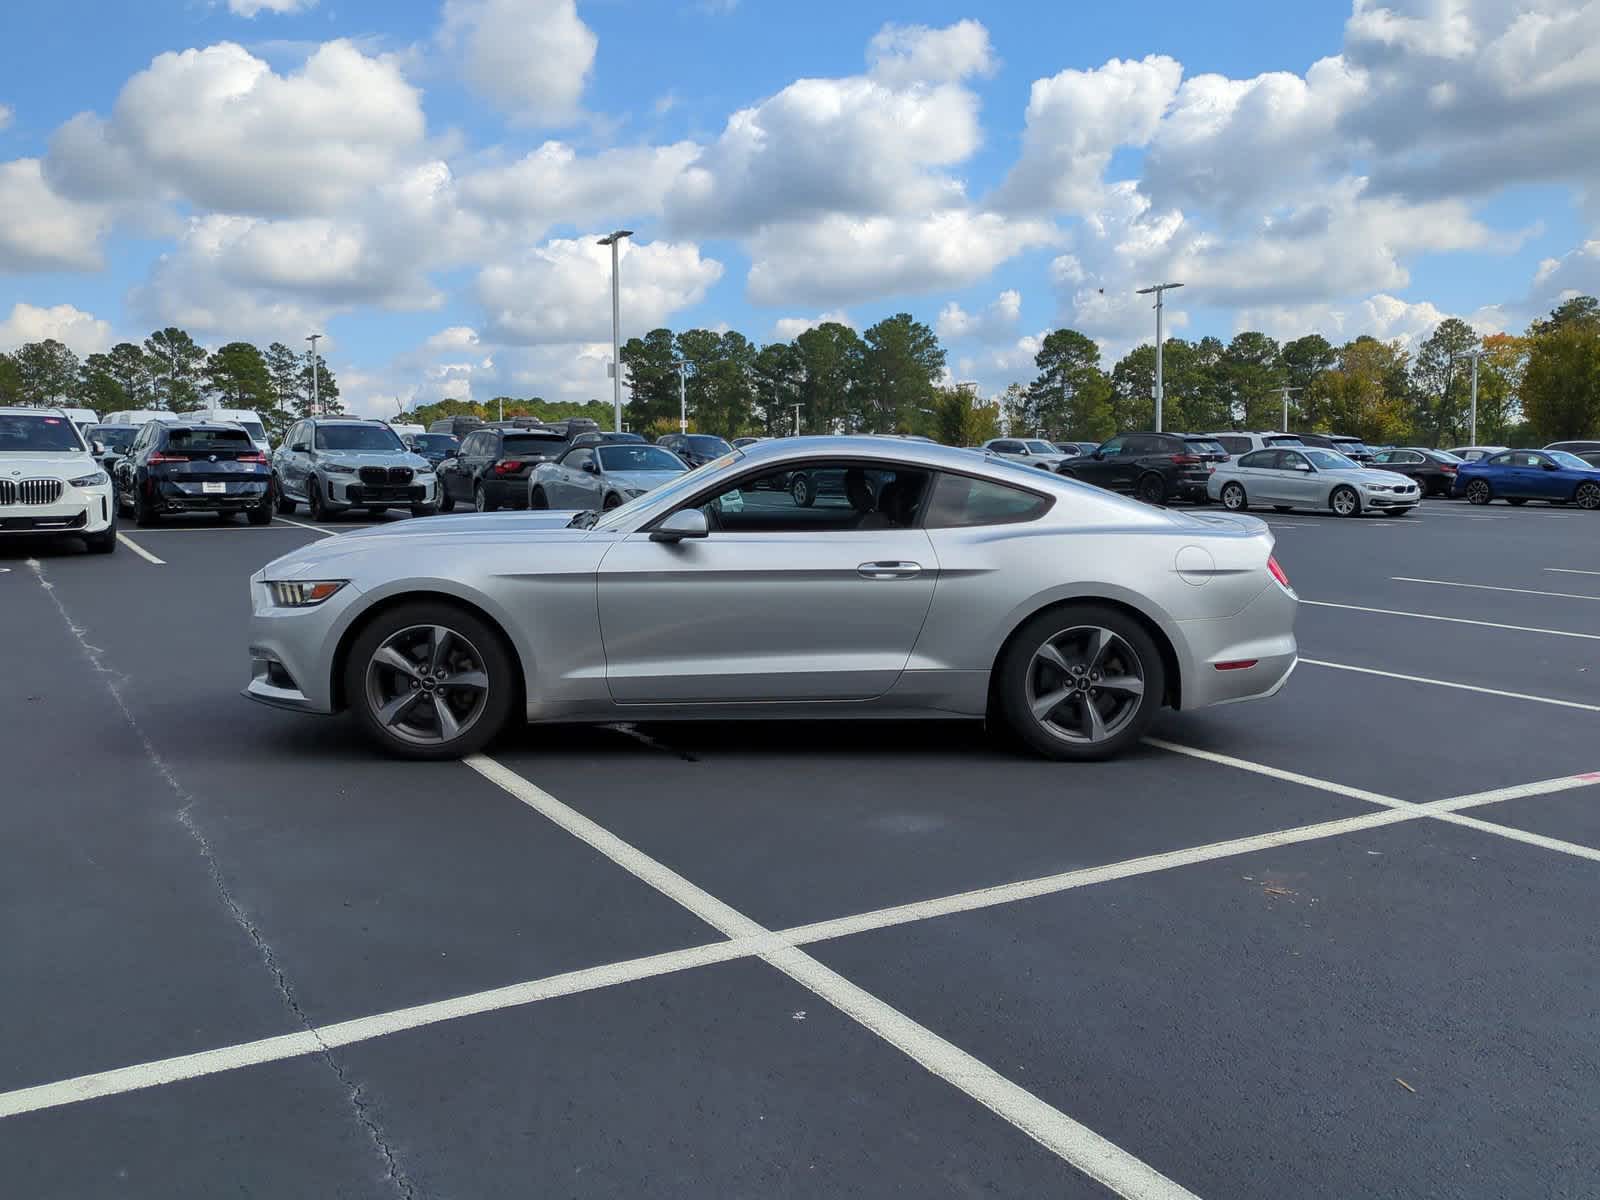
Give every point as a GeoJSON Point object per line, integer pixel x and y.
{"type": "Point", "coordinates": [1158, 290]}
{"type": "Point", "coordinates": [614, 240]}
{"type": "Point", "coordinates": [316, 396]}
{"type": "Point", "coordinates": [797, 408]}
{"type": "Point", "coordinates": [1474, 355]}
{"type": "Point", "coordinates": [683, 400]}
{"type": "Point", "coordinates": [1286, 392]}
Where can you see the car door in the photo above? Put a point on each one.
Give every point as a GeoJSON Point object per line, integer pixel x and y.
{"type": "Point", "coordinates": [1262, 480]}
{"type": "Point", "coordinates": [1298, 482]}
{"type": "Point", "coordinates": [1546, 478]}
{"type": "Point", "coordinates": [1524, 476]}
{"type": "Point", "coordinates": [580, 480]}
{"type": "Point", "coordinates": [463, 474]}
{"type": "Point", "coordinates": [778, 603]}
{"type": "Point", "coordinates": [1098, 468]}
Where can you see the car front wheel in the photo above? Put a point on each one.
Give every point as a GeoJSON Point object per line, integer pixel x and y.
{"type": "Point", "coordinates": [1080, 682]}
{"type": "Point", "coordinates": [1233, 498]}
{"type": "Point", "coordinates": [1345, 502]}
{"type": "Point", "coordinates": [1152, 488]}
{"type": "Point", "coordinates": [430, 681]}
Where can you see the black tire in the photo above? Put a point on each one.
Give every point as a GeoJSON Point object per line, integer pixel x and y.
{"type": "Point", "coordinates": [447, 502]}
{"type": "Point", "coordinates": [1151, 488]}
{"type": "Point", "coordinates": [1022, 674]}
{"type": "Point", "coordinates": [803, 490]}
{"type": "Point", "coordinates": [224, 517]}
{"type": "Point", "coordinates": [1479, 492]}
{"type": "Point", "coordinates": [424, 510]}
{"type": "Point", "coordinates": [1517, 501]}
{"type": "Point", "coordinates": [1233, 497]}
{"type": "Point", "coordinates": [261, 515]}
{"type": "Point", "coordinates": [315, 505]}
{"type": "Point", "coordinates": [104, 542]}
{"type": "Point", "coordinates": [481, 500]}
{"type": "Point", "coordinates": [1283, 508]}
{"type": "Point", "coordinates": [487, 644]}
{"type": "Point", "coordinates": [538, 500]}
{"type": "Point", "coordinates": [1345, 502]}
{"type": "Point", "coordinates": [285, 505]}
{"type": "Point", "coordinates": [145, 514]}
{"type": "Point", "coordinates": [1587, 496]}
{"type": "Point", "coordinates": [1066, 474]}
{"type": "Point", "coordinates": [610, 502]}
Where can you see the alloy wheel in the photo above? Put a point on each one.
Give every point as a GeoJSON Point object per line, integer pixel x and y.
{"type": "Point", "coordinates": [1233, 497]}
{"type": "Point", "coordinates": [427, 684]}
{"type": "Point", "coordinates": [1478, 492]}
{"type": "Point", "coordinates": [1345, 502]}
{"type": "Point", "coordinates": [1588, 496]}
{"type": "Point", "coordinates": [1085, 684]}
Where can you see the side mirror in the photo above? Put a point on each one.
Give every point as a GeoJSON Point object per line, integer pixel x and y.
{"type": "Point", "coordinates": [590, 467]}
{"type": "Point", "coordinates": [685, 523]}
{"type": "Point", "coordinates": [97, 447]}
{"type": "Point", "coordinates": [1550, 466]}
{"type": "Point", "coordinates": [300, 447]}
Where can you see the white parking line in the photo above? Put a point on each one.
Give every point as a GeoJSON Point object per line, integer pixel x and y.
{"type": "Point", "coordinates": [303, 525]}
{"type": "Point", "coordinates": [344, 1033]}
{"type": "Point", "coordinates": [1446, 683]}
{"type": "Point", "coordinates": [1100, 1159]}
{"type": "Point", "coordinates": [1571, 571]}
{"type": "Point", "coordinates": [1395, 612]}
{"type": "Point", "coordinates": [140, 550]}
{"type": "Point", "coordinates": [1489, 587]}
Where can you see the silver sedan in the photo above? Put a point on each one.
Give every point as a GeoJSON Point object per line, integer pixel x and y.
{"type": "Point", "coordinates": [934, 583]}
{"type": "Point", "coordinates": [1309, 477]}
{"type": "Point", "coordinates": [602, 476]}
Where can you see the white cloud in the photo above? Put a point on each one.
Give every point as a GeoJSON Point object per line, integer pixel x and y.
{"type": "Point", "coordinates": [250, 8]}
{"type": "Point", "coordinates": [561, 291]}
{"type": "Point", "coordinates": [1075, 120]}
{"type": "Point", "coordinates": [996, 322]}
{"type": "Point", "coordinates": [554, 184]}
{"type": "Point", "coordinates": [838, 260]}
{"type": "Point", "coordinates": [81, 332]}
{"type": "Point", "coordinates": [1382, 316]}
{"type": "Point", "coordinates": [904, 55]}
{"type": "Point", "coordinates": [530, 58]}
{"type": "Point", "coordinates": [786, 329]}
{"type": "Point", "coordinates": [41, 230]}
{"type": "Point", "coordinates": [252, 141]}
{"type": "Point", "coordinates": [455, 337]}
{"type": "Point", "coordinates": [6, 113]}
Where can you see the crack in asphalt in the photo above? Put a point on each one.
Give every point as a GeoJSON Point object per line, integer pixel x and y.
{"type": "Point", "coordinates": [353, 1090]}
{"type": "Point", "coordinates": [654, 743]}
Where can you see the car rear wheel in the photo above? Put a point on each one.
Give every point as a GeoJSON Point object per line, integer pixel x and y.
{"type": "Point", "coordinates": [537, 499]}
{"type": "Point", "coordinates": [1152, 488]}
{"type": "Point", "coordinates": [447, 502]}
{"type": "Point", "coordinates": [430, 681]}
{"type": "Point", "coordinates": [1479, 492]}
{"type": "Point", "coordinates": [1080, 682]}
{"type": "Point", "coordinates": [1587, 495]}
{"type": "Point", "coordinates": [260, 515]}
{"type": "Point", "coordinates": [481, 501]}
{"type": "Point", "coordinates": [1345, 502]}
{"type": "Point", "coordinates": [145, 513]}
{"type": "Point", "coordinates": [1233, 497]}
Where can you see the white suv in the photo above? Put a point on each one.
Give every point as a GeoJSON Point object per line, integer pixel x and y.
{"type": "Point", "coordinates": [48, 481]}
{"type": "Point", "coordinates": [1243, 443]}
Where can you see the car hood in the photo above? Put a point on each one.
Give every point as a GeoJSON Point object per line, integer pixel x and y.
{"type": "Point", "coordinates": [373, 458]}
{"type": "Point", "coordinates": [643, 480]}
{"type": "Point", "coordinates": [44, 465]}
{"type": "Point", "coordinates": [1370, 475]}
{"type": "Point", "coordinates": [418, 533]}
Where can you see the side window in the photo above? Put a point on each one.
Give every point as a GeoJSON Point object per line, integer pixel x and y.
{"type": "Point", "coordinates": [961, 502]}
{"type": "Point", "coordinates": [1006, 447]}
{"type": "Point", "coordinates": [1288, 460]}
{"type": "Point", "coordinates": [1235, 445]}
{"type": "Point", "coordinates": [1114, 446]}
{"type": "Point", "coordinates": [1411, 457]}
{"type": "Point", "coordinates": [576, 458]}
{"type": "Point", "coordinates": [823, 497]}
{"type": "Point", "coordinates": [1260, 458]}
{"type": "Point", "coordinates": [1499, 460]}
{"type": "Point", "coordinates": [1388, 456]}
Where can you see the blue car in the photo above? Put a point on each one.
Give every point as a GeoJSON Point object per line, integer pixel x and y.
{"type": "Point", "coordinates": [1518, 476]}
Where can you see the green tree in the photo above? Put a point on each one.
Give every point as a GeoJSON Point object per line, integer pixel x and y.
{"type": "Point", "coordinates": [650, 364]}
{"type": "Point", "coordinates": [1304, 359]}
{"type": "Point", "coordinates": [10, 380]}
{"type": "Point", "coordinates": [777, 374]}
{"type": "Point", "coordinates": [237, 376]}
{"type": "Point", "coordinates": [48, 371]}
{"type": "Point", "coordinates": [176, 361]}
{"type": "Point", "coordinates": [98, 385]}
{"type": "Point", "coordinates": [324, 397]}
{"type": "Point", "coordinates": [901, 363]}
{"type": "Point", "coordinates": [962, 418]}
{"type": "Point", "coordinates": [831, 366]}
{"type": "Point", "coordinates": [1364, 394]}
{"type": "Point", "coordinates": [1584, 310]}
{"type": "Point", "coordinates": [1561, 385]}
{"type": "Point", "coordinates": [1441, 377]}
{"type": "Point", "coordinates": [1071, 396]}
{"type": "Point", "coordinates": [131, 369]}
{"type": "Point", "coordinates": [721, 387]}
{"type": "Point", "coordinates": [1249, 373]}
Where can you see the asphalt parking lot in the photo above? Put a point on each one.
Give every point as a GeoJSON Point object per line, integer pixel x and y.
{"type": "Point", "coordinates": [1337, 944]}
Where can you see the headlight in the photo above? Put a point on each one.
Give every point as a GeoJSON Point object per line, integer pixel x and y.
{"type": "Point", "coordinates": [336, 469]}
{"type": "Point", "coordinates": [94, 480]}
{"type": "Point", "coordinates": [1376, 487]}
{"type": "Point", "coordinates": [306, 594]}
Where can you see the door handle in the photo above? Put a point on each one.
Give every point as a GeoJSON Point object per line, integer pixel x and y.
{"type": "Point", "coordinates": [889, 570]}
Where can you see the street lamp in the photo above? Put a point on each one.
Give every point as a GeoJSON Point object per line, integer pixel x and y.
{"type": "Point", "coordinates": [797, 409]}
{"type": "Point", "coordinates": [683, 399]}
{"type": "Point", "coordinates": [1286, 391]}
{"type": "Point", "coordinates": [1474, 355]}
{"type": "Point", "coordinates": [316, 396]}
{"type": "Point", "coordinates": [614, 240]}
{"type": "Point", "coordinates": [1158, 289]}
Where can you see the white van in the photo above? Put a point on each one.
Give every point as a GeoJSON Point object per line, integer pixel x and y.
{"type": "Point", "coordinates": [405, 430]}
{"type": "Point", "coordinates": [81, 417]}
{"type": "Point", "coordinates": [138, 416]}
{"type": "Point", "coordinates": [239, 416]}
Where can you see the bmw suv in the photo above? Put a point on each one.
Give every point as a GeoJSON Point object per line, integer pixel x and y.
{"type": "Point", "coordinates": [49, 483]}
{"type": "Point", "coordinates": [334, 464]}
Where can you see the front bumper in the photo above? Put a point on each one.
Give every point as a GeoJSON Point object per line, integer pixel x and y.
{"type": "Point", "coordinates": [1381, 500]}
{"type": "Point", "coordinates": [292, 649]}
{"type": "Point", "coordinates": [352, 493]}
{"type": "Point", "coordinates": [1262, 633]}
{"type": "Point", "coordinates": [80, 510]}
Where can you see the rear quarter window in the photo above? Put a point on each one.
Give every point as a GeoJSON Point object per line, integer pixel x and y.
{"type": "Point", "coordinates": [961, 502]}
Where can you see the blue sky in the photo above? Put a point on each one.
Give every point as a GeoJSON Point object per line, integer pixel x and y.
{"type": "Point", "coordinates": [421, 181]}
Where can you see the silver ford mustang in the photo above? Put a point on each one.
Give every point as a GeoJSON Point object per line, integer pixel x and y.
{"type": "Point", "coordinates": [932, 583]}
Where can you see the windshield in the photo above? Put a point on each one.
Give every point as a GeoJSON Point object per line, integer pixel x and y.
{"type": "Point", "coordinates": [1345, 447]}
{"type": "Point", "coordinates": [253, 428]}
{"type": "Point", "coordinates": [358, 437]}
{"type": "Point", "coordinates": [18, 432]}
{"type": "Point", "coordinates": [1203, 446]}
{"type": "Point", "coordinates": [1037, 447]}
{"type": "Point", "coordinates": [626, 457]}
{"type": "Point", "coordinates": [671, 492]}
{"type": "Point", "coordinates": [1327, 460]}
{"type": "Point", "coordinates": [1282, 439]}
{"type": "Point", "coordinates": [112, 437]}
{"type": "Point", "coordinates": [1570, 461]}
{"type": "Point", "coordinates": [532, 446]}
{"type": "Point", "coordinates": [436, 443]}
{"type": "Point", "coordinates": [704, 443]}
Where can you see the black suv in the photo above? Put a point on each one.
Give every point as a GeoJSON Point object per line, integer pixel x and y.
{"type": "Point", "coordinates": [491, 468]}
{"type": "Point", "coordinates": [1156, 467]}
{"type": "Point", "coordinates": [198, 466]}
{"type": "Point", "coordinates": [696, 449]}
{"type": "Point", "coordinates": [1352, 448]}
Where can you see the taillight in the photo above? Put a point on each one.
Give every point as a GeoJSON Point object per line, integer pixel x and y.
{"type": "Point", "coordinates": [159, 457]}
{"type": "Point", "coordinates": [1448, 468]}
{"type": "Point", "coordinates": [509, 467]}
{"type": "Point", "coordinates": [252, 458]}
{"type": "Point", "coordinates": [1277, 572]}
{"type": "Point", "coordinates": [1185, 460]}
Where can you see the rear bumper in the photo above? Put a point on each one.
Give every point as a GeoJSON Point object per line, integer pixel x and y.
{"type": "Point", "coordinates": [1262, 634]}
